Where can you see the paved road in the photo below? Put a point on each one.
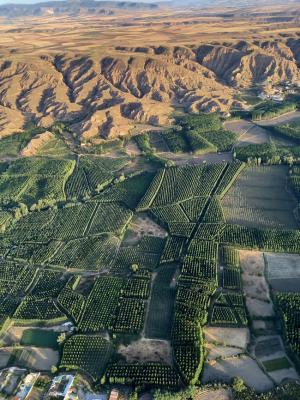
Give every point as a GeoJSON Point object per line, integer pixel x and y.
{"type": "Point", "coordinates": [256, 132]}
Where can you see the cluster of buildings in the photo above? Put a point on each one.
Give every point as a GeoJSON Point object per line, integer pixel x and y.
{"type": "Point", "coordinates": [278, 92]}
{"type": "Point", "coordinates": [18, 384]}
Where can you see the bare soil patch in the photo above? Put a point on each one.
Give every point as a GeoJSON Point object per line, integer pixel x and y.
{"type": "Point", "coordinates": [259, 308]}
{"type": "Point", "coordinates": [13, 335]}
{"type": "Point", "coordinates": [284, 374]}
{"type": "Point", "coordinates": [37, 143]}
{"type": "Point", "coordinates": [41, 359]}
{"type": "Point", "coordinates": [254, 282]}
{"type": "Point", "coordinates": [217, 351]}
{"type": "Point", "coordinates": [235, 337]}
{"type": "Point", "coordinates": [211, 394]}
{"type": "Point", "coordinates": [147, 350]}
{"type": "Point", "coordinates": [243, 366]}
{"type": "Point", "coordinates": [142, 225]}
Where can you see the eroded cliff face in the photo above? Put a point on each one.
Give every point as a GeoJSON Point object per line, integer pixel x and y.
{"type": "Point", "coordinates": [106, 95]}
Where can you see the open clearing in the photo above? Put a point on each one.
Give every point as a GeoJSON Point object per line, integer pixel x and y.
{"type": "Point", "coordinates": [259, 198]}
{"type": "Point", "coordinates": [40, 359]}
{"type": "Point", "coordinates": [142, 225]}
{"type": "Point", "coordinates": [256, 289]}
{"type": "Point", "coordinates": [217, 351]}
{"type": "Point", "coordinates": [242, 366]}
{"type": "Point", "coordinates": [212, 394]}
{"type": "Point", "coordinates": [147, 350]}
{"type": "Point", "coordinates": [235, 337]}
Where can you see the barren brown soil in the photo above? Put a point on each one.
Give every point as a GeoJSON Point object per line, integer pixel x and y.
{"type": "Point", "coordinates": [111, 74]}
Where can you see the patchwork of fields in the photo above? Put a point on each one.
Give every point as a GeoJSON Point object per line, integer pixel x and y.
{"type": "Point", "coordinates": [260, 198]}
{"type": "Point", "coordinates": [141, 258]}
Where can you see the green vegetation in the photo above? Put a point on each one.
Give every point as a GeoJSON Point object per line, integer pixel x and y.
{"type": "Point", "coordinates": [87, 353]}
{"type": "Point", "coordinates": [277, 364]}
{"type": "Point", "coordinates": [151, 374]}
{"type": "Point", "coordinates": [101, 305]}
{"type": "Point", "coordinates": [82, 257]}
{"type": "Point", "coordinates": [200, 134]}
{"type": "Point", "coordinates": [36, 182]}
{"type": "Point", "coordinates": [144, 144]}
{"type": "Point", "coordinates": [268, 110]}
{"type": "Point", "coordinates": [11, 146]}
{"type": "Point", "coordinates": [159, 321]}
{"type": "Point", "coordinates": [40, 338]}
{"type": "Point", "coordinates": [289, 304]}
{"type": "Point", "coordinates": [290, 130]}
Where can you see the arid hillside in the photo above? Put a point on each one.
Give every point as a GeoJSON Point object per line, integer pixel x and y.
{"type": "Point", "coordinates": [109, 74]}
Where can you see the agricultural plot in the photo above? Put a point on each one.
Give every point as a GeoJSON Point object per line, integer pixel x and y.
{"type": "Point", "coordinates": [89, 253]}
{"type": "Point", "coordinates": [35, 181]}
{"type": "Point", "coordinates": [153, 374]}
{"type": "Point", "coordinates": [101, 305]}
{"type": "Point", "coordinates": [229, 307]}
{"type": "Point", "coordinates": [159, 318]}
{"type": "Point", "coordinates": [128, 192]}
{"type": "Point", "coordinates": [260, 199]}
{"type": "Point", "coordinates": [33, 308]}
{"type": "Point", "coordinates": [289, 304]}
{"type": "Point", "coordinates": [283, 271]}
{"type": "Point", "coordinates": [289, 130]}
{"type": "Point", "coordinates": [87, 353]}
{"type": "Point", "coordinates": [145, 253]}
{"type": "Point", "coordinates": [129, 288]}
{"type": "Point", "coordinates": [91, 175]}
{"type": "Point", "coordinates": [177, 184]}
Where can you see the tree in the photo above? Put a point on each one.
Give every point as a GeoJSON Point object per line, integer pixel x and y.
{"type": "Point", "coordinates": [61, 338]}
{"type": "Point", "coordinates": [134, 268]}
{"type": "Point", "coordinates": [54, 369]}
{"type": "Point", "coordinates": [239, 385]}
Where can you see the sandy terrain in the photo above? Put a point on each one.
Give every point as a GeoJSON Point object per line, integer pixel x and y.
{"type": "Point", "coordinates": [214, 351]}
{"type": "Point", "coordinates": [256, 288]}
{"type": "Point", "coordinates": [252, 262]}
{"type": "Point", "coordinates": [13, 335]}
{"type": "Point", "coordinates": [40, 359]}
{"type": "Point", "coordinates": [258, 308]}
{"type": "Point", "coordinates": [243, 366]}
{"type": "Point", "coordinates": [146, 350]}
{"type": "Point", "coordinates": [218, 394]}
{"type": "Point", "coordinates": [235, 337]}
{"type": "Point", "coordinates": [36, 143]}
{"type": "Point", "coordinates": [142, 225]}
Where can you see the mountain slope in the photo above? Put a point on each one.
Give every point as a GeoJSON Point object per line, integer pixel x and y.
{"type": "Point", "coordinates": [106, 95]}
